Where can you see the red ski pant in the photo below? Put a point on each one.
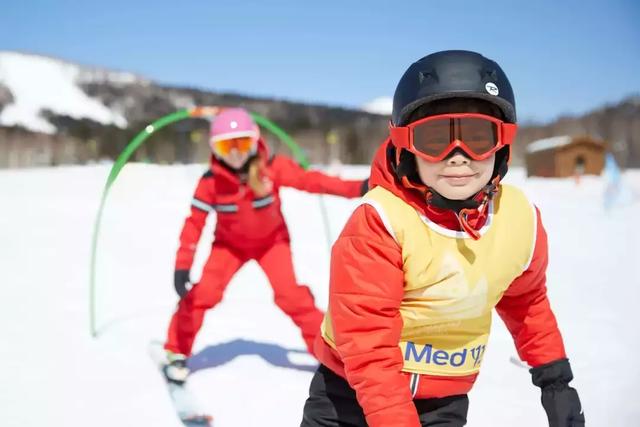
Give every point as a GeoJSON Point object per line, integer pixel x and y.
{"type": "Point", "coordinates": [294, 299]}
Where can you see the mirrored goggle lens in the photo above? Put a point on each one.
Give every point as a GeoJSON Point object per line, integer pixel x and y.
{"type": "Point", "coordinates": [433, 137]}
{"type": "Point", "coordinates": [225, 146]}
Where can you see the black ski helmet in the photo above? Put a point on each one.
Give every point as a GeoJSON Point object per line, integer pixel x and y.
{"type": "Point", "coordinates": [452, 74]}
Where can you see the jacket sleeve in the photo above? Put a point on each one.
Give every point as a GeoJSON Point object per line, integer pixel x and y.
{"type": "Point", "coordinates": [201, 205]}
{"type": "Point", "coordinates": [366, 289]}
{"type": "Point", "coordinates": [526, 311]}
{"type": "Point", "coordinates": [288, 173]}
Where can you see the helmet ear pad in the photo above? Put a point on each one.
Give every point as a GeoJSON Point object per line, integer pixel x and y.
{"type": "Point", "coordinates": [403, 164]}
{"type": "Point", "coordinates": [408, 167]}
{"type": "Point", "coordinates": [501, 165]}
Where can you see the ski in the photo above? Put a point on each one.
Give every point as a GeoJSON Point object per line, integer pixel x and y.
{"type": "Point", "coordinates": [183, 401]}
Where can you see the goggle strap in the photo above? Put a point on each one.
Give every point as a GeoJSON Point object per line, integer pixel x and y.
{"type": "Point", "coordinates": [509, 131]}
{"type": "Point", "coordinates": [400, 136]}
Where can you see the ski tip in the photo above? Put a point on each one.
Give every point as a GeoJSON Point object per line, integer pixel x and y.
{"type": "Point", "coordinates": [198, 421]}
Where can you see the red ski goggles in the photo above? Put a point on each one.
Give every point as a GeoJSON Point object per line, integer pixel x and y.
{"type": "Point", "coordinates": [224, 146]}
{"type": "Point", "coordinates": [434, 138]}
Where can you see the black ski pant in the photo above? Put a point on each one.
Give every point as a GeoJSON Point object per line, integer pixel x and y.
{"type": "Point", "coordinates": [332, 403]}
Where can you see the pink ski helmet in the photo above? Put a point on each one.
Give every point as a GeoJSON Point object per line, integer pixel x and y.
{"type": "Point", "coordinates": [234, 123]}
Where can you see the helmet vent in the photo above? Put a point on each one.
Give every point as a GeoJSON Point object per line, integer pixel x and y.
{"type": "Point", "coordinates": [490, 75]}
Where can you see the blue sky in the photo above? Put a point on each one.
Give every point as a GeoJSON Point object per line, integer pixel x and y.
{"type": "Point", "coordinates": [562, 56]}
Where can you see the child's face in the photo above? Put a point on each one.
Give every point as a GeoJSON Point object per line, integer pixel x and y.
{"type": "Point", "coordinates": [235, 158]}
{"type": "Point", "coordinates": [457, 177]}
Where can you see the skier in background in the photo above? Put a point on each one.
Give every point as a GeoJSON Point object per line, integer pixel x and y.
{"type": "Point", "coordinates": [242, 186]}
{"type": "Point", "coordinates": [437, 244]}
{"type": "Point", "coordinates": [616, 194]}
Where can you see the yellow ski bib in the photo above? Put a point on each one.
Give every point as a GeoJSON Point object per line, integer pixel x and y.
{"type": "Point", "coordinates": [452, 282]}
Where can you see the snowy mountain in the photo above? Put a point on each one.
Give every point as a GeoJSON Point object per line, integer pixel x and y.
{"type": "Point", "coordinates": [56, 112]}
{"type": "Point", "coordinates": [83, 104]}
{"type": "Point", "coordinates": [33, 84]}
{"type": "Point", "coordinates": [382, 105]}
{"type": "Point", "coordinates": [33, 87]}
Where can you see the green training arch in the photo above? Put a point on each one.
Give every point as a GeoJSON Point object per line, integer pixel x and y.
{"type": "Point", "coordinates": [138, 140]}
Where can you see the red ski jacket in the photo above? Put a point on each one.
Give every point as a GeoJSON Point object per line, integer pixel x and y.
{"type": "Point", "coordinates": [245, 221]}
{"type": "Point", "coordinates": [367, 289]}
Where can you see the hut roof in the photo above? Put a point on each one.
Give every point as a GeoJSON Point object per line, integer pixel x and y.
{"type": "Point", "coordinates": [549, 143]}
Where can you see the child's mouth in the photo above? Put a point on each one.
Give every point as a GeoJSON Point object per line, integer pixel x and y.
{"type": "Point", "coordinates": [458, 180]}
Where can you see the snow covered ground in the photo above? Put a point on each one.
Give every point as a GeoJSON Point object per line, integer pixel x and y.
{"type": "Point", "coordinates": [55, 374]}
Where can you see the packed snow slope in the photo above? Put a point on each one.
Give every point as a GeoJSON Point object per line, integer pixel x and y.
{"type": "Point", "coordinates": [251, 371]}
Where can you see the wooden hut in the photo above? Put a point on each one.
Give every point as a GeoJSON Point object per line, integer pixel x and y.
{"type": "Point", "coordinates": [565, 156]}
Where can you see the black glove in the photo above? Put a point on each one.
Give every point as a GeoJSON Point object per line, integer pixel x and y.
{"type": "Point", "coordinates": [181, 282]}
{"type": "Point", "coordinates": [560, 402]}
{"type": "Point", "coordinates": [364, 187]}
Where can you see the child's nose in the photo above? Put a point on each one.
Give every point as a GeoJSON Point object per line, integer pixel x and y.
{"type": "Point", "coordinates": [458, 158]}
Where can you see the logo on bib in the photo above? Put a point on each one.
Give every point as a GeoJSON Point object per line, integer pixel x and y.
{"type": "Point", "coordinates": [457, 358]}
